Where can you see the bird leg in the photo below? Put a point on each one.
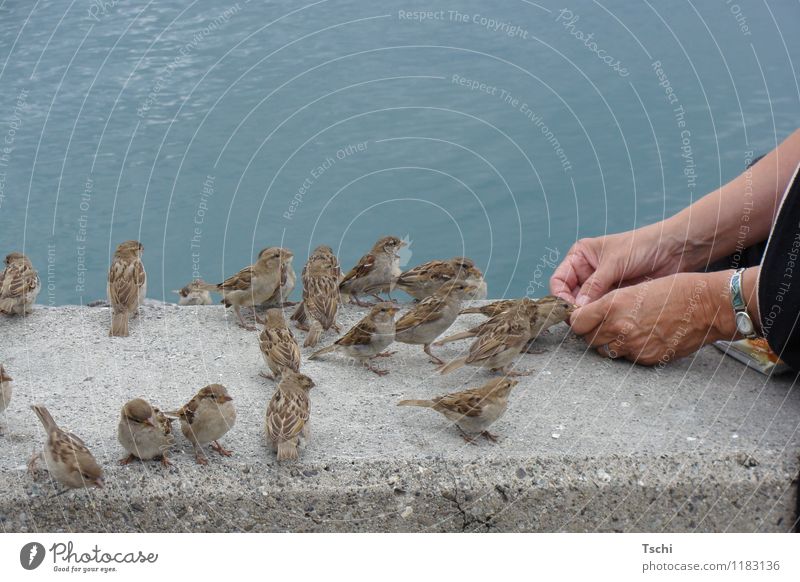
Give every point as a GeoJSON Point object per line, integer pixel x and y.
{"type": "Point", "coordinates": [511, 373]}
{"type": "Point", "coordinates": [200, 456]}
{"type": "Point", "coordinates": [165, 462]}
{"type": "Point", "coordinates": [289, 303]}
{"type": "Point", "coordinates": [32, 469]}
{"type": "Point", "coordinates": [220, 449]}
{"type": "Point", "coordinates": [467, 438]}
{"type": "Point", "coordinates": [267, 376]}
{"type": "Point", "coordinates": [242, 322]}
{"type": "Point", "coordinates": [427, 349]}
{"type": "Point", "coordinates": [373, 369]}
{"type": "Point", "coordinates": [489, 436]}
{"type": "Point", "coordinates": [129, 459]}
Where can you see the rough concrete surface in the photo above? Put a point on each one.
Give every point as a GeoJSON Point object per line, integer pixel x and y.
{"type": "Point", "coordinates": [587, 444]}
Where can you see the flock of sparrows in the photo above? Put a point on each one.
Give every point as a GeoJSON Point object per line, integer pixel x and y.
{"type": "Point", "coordinates": [439, 287]}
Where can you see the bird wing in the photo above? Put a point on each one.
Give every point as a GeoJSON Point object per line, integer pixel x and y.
{"type": "Point", "coordinates": [241, 281]}
{"type": "Point", "coordinates": [466, 403]}
{"type": "Point", "coordinates": [362, 269]}
{"type": "Point", "coordinates": [432, 270]}
{"type": "Point", "coordinates": [281, 347]}
{"type": "Point", "coordinates": [360, 334]}
{"type": "Point", "coordinates": [125, 278]}
{"type": "Point", "coordinates": [496, 339]}
{"type": "Point", "coordinates": [18, 280]}
{"type": "Point", "coordinates": [427, 311]}
{"type": "Point", "coordinates": [287, 415]}
{"type": "Point", "coordinates": [321, 298]}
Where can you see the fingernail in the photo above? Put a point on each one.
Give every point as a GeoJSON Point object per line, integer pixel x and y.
{"type": "Point", "coordinates": [581, 300]}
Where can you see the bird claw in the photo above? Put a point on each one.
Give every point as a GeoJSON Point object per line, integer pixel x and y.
{"type": "Point", "coordinates": [165, 462]}
{"type": "Point", "coordinates": [489, 436]}
{"type": "Point", "coordinates": [385, 355]}
{"type": "Point", "coordinates": [201, 459]}
{"type": "Point", "coordinates": [127, 460]}
{"type": "Point", "coordinates": [220, 449]}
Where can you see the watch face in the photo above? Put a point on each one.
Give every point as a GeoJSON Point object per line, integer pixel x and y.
{"type": "Point", "coordinates": [744, 324]}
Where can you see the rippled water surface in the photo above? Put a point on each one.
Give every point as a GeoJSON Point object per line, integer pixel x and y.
{"type": "Point", "coordinates": [503, 131]}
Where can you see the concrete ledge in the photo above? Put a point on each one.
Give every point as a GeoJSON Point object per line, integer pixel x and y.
{"type": "Point", "coordinates": [588, 444]}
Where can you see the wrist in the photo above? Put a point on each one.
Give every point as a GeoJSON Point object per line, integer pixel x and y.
{"type": "Point", "coordinates": [720, 313]}
{"type": "Point", "coordinates": [689, 252]}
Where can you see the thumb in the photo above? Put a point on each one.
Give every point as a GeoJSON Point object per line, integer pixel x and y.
{"type": "Point", "coordinates": [596, 285]}
{"type": "Point", "coordinates": [585, 319]}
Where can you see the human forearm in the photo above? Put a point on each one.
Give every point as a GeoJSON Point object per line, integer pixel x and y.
{"type": "Point", "coordinates": [737, 215]}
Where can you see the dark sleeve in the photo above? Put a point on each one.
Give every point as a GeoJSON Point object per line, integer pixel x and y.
{"type": "Point", "coordinates": [779, 281]}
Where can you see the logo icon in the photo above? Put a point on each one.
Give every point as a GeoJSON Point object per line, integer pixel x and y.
{"type": "Point", "coordinates": [31, 555]}
{"type": "Point", "coordinates": [405, 252]}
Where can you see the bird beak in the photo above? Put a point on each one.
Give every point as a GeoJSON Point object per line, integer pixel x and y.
{"type": "Point", "coordinates": [571, 309]}
{"type": "Point", "coordinates": [99, 483]}
{"type": "Point", "coordinates": [226, 398]}
{"type": "Point", "coordinates": [148, 422]}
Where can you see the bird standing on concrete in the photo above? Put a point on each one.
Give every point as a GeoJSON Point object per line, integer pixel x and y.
{"type": "Point", "coordinates": [376, 272]}
{"type": "Point", "coordinates": [278, 346]}
{"type": "Point", "coordinates": [144, 432]}
{"type": "Point", "coordinates": [19, 285]}
{"type": "Point", "coordinates": [195, 293]}
{"type": "Point", "coordinates": [280, 298]}
{"type": "Point", "coordinates": [320, 302]}
{"type": "Point", "coordinates": [6, 389]}
{"type": "Point", "coordinates": [206, 418]}
{"type": "Point", "coordinates": [287, 423]}
{"type": "Point", "coordinates": [473, 411]}
{"type": "Point", "coordinates": [423, 280]}
{"type": "Point", "coordinates": [127, 285]}
{"type": "Point", "coordinates": [368, 338]}
{"type": "Point", "coordinates": [67, 458]}
{"type": "Point", "coordinates": [427, 320]}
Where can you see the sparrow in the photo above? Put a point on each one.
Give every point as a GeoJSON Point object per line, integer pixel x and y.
{"type": "Point", "coordinates": [19, 285]}
{"type": "Point", "coordinates": [255, 284]}
{"type": "Point", "coordinates": [473, 411]}
{"type": "Point", "coordinates": [427, 320]}
{"type": "Point", "coordinates": [499, 341]}
{"type": "Point", "coordinates": [421, 281]}
{"type": "Point", "coordinates": [144, 432]}
{"type": "Point", "coordinates": [127, 285]}
{"type": "Point", "coordinates": [6, 389]}
{"type": "Point", "coordinates": [550, 310]}
{"type": "Point", "coordinates": [206, 418]}
{"type": "Point", "coordinates": [376, 272]}
{"type": "Point", "coordinates": [278, 346]}
{"type": "Point", "coordinates": [287, 424]}
{"type": "Point", "coordinates": [280, 298]}
{"type": "Point", "coordinates": [368, 338]}
{"type": "Point", "coordinates": [66, 456]}
{"type": "Point", "coordinates": [320, 295]}
{"type": "Point", "coordinates": [195, 293]}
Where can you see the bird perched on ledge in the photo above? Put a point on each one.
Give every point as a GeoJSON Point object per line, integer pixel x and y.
{"type": "Point", "coordinates": [195, 293]}
{"type": "Point", "coordinates": [368, 338]}
{"type": "Point", "coordinates": [320, 295]}
{"type": "Point", "coordinates": [427, 320]}
{"type": "Point", "coordinates": [422, 281]}
{"type": "Point", "coordinates": [499, 341]}
{"type": "Point", "coordinates": [280, 298]}
{"type": "Point", "coordinates": [6, 389]}
{"type": "Point", "coordinates": [144, 432]}
{"type": "Point", "coordinates": [375, 273]}
{"type": "Point", "coordinates": [473, 411]}
{"type": "Point", "coordinates": [206, 418]}
{"type": "Point", "coordinates": [255, 284]}
{"type": "Point", "coordinates": [67, 458]}
{"type": "Point", "coordinates": [278, 346]}
{"type": "Point", "coordinates": [127, 285]}
{"type": "Point", "coordinates": [19, 285]}
{"type": "Point", "coordinates": [287, 424]}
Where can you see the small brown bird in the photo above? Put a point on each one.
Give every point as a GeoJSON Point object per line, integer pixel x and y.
{"type": "Point", "coordinates": [320, 295]}
{"type": "Point", "coordinates": [127, 285]}
{"type": "Point", "coordinates": [278, 346]}
{"type": "Point", "coordinates": [287, 424]}
{"type": "Point", "coordinates": [368, 338]}
{"type": "Point", "coordinates": [550, 310]}
{"type": "Point", "coordinates": [144, 432]}
{"type": "Point", "coordinates": [499, 341]}
{"type": "Point", "coordinates": [68, 460]}
{"type": "Point", "coordinates": [280, 298]}
{"type": "Point", "coordinates": [19, 285]}
{"type": "Point", "coordinates": [206, 418]}
{"type": "Point", "coordinates": [255, 284]}
{"type": "Point", "coordinates": [376, 272]}
{"type": "Point", "coordinates": [6, 389]}
{"type": "Point", "coordinates": [473, 411]}
{"type": "Point", "coordinates": [430, 318]}
{"type": "Point", "coordinates": [422, 281]}
{"type": "Point", "coordinates": [195, 293]}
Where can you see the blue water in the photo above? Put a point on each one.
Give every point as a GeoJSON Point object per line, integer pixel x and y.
{"type": "Point", "coordinates": [209, 130]}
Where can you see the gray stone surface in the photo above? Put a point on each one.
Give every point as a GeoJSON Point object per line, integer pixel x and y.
{"type": "Point", "coordinates": [587, 444]}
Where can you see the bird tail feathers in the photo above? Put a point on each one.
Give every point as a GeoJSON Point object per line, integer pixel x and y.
{"type": "Point", "coordinates": [422, 403]}
{"type": "Point", "coordinates": [119, 324]}
{"type": "Point", "coordinates": [287, 451]}
{"type": "Point", "coordinates": [454, 365]}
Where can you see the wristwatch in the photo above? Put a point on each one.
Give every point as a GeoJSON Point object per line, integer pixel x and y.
{"type": "Point", "coordinates": [744, 325]}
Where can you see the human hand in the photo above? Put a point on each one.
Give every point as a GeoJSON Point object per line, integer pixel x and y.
{"type": "Point", "coordinates": [659, 319]}
{"type": "Point", "coordinates": [593, 266]}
